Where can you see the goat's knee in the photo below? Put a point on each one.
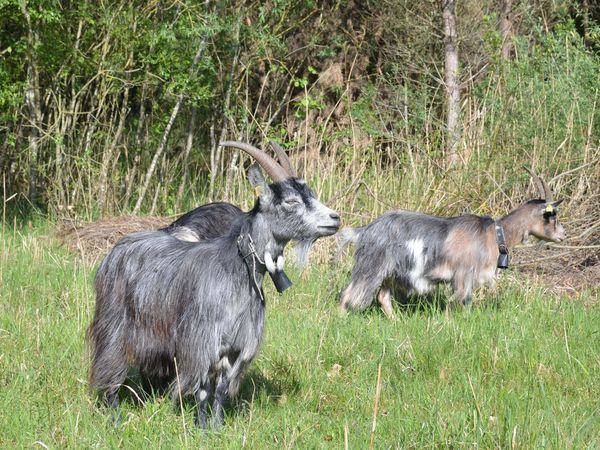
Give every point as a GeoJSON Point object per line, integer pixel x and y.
{"type": "Point", "coordinates": [358, 295]}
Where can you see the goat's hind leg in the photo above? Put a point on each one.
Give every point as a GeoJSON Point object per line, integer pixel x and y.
{"type": "Point", "coordinates": [110, 395]}
{"type": "Point", "coordinates": [385, 300]}
{"type": "Point", "coordinates": [359, 294]}
{"type": "Point", "coordinates": [107, 375]}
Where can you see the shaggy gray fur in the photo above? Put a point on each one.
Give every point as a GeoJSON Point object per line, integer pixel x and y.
{"type": "Point", "coordinates": [161, 300]}
{"type": "Point", "coordinates": [382, 254]}
{"type": "Point", "coordinates": [204, 222]}
{"type": "Point", "coordinates": [214, 220]}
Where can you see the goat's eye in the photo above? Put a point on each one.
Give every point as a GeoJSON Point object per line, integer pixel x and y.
{"type": "Point", "coordinates": [292, 202]}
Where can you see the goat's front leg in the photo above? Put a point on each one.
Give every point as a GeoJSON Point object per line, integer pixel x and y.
{"type": "Point", "coordinates": [462, 285]}
{"type": "Point", "coordinates": [467, 300]}
{"type": "Point", "coordinates": [202, 396]}
{"type": "Point", "coordinates": [221, 389]}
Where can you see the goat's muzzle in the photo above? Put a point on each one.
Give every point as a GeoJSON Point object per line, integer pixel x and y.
{"type": "Point", "coordinates": [332, 227]}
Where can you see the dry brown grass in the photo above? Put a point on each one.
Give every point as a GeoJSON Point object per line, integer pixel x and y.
{"type": "Point", "coordinates": [92, 240]}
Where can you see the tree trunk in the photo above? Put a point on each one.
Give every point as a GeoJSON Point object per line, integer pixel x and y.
{"type": "Point", "coordinates": [184, 163]}
{"type": "Point", "coordinates": [107, 156]}
{"type": "Point", "coordinates": [506, 30]}
{"type": "Point", "coordinates": [216, 150]}
{"type": "Point", "coordinates": [32, 102]}
{"type": "Point", "coordinates": [585, 13]}
{"type": "Point", "coordinates": [451, 82]}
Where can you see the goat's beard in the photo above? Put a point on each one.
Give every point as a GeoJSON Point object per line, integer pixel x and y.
{"type": "Point", "coordinates": [302, 252]}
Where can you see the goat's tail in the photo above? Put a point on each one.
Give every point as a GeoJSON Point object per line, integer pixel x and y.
{"type": "Point", "coordinates": [347, 236]}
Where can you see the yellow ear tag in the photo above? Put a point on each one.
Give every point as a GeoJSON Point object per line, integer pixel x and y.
{"type": "Point", "coordinates": [549, 209]}
{"type": "Point", "coordinates": [257, 191]}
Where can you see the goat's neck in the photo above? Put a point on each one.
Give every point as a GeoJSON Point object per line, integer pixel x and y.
{"type": "Point", "coordinates": [516, 227]}
{"type": "Point", "coordinates": [266, 245]}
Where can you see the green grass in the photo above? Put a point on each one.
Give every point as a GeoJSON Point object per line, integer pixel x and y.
{"type": "Point", "coordinates": [520, 371]}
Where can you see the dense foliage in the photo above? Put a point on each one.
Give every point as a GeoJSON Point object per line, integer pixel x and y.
{"type": "Point", "coordinates": [114, 106]}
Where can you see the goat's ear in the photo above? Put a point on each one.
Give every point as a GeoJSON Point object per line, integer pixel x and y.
{"type": "Point", "coordinates": [549, 208]}
{"type": "Point", "coordinates": [258, 182]}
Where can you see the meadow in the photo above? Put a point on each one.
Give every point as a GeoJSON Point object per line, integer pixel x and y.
{"type": "Point", "coordinates": [518, 371]}
{"type": "Point", "coordinates": [111, 112]}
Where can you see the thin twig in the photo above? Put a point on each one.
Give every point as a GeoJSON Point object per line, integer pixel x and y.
{"type": "Point", "coordinates": [562, 174]}
{"type": "Point", "coordinates": [180, 401]}
{"type": "Point", "coordinates": [534, 261]}
{"type": "Point", "coordinates": [577, 247]}
{"type": "Point", "coordinates": [376, 407]}
{"type": "Point", "coordinates": [346, 436]}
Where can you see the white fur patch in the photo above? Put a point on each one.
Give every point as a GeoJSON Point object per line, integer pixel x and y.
{"type": "Point", "coordinates": [224, 364]}
{"type": "Point", "coordinates": [416, 275]}
{"type": "Point", "coordinates": [280, 262]}
{"type": "Point", "coordinates": [270, 263]}
{"type": "Point", "coordinates": [185, 234]}
{"type": "Point", "coordinates": [203, 394]}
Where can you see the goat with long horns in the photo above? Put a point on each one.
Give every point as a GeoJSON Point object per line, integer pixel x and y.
{"type": "Point", "coordinates": [196, 309]}
{"type": "Point", "coordinates": [214, 219]}
{"type": "Point", "coordinates": [403, 253]}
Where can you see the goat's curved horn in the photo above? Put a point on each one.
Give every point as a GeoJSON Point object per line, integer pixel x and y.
{"type": "Point", "coordinates": [548, 192]}
{"type": "Point", "coordinates": [270, 166]}
{"type": "Point", "coordinates": [542, 187]}
{"type": "Point", "coordinates": [284, 160]}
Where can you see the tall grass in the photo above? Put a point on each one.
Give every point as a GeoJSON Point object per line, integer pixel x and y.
{"type": "Point", "coordinates": [519, 371]}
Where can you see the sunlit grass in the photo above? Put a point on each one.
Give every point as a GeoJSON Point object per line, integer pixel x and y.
{"type": "Point", "coordinates": [519, 370]}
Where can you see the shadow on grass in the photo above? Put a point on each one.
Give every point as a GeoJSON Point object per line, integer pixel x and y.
{"type": "Point", "coordinates": [435, 303]}
{"type": "Point", "coordinates": [255, 387]}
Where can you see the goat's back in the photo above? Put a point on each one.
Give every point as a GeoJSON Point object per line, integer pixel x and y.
{"type": "Point", "coordinates": [207, 221]}
{"type": "Point", "coordinates": [409, 245]}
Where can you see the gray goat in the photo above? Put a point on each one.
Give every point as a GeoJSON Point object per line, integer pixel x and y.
{"type": "Point", "coordinates": [402, 253]}
{"type": "Point", "coordinates": [192, 313]}
{"type": "Point", "coordinates": [214, 219]}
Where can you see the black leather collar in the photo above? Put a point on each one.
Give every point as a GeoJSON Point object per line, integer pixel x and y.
{"type": "Point", "coordinates": [502, 247]}
{"type": "Point", "coordinates": [279, 277]}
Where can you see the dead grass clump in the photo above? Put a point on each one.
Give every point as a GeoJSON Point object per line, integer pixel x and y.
{"type": "Point", "coordinates": [93, 240]}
